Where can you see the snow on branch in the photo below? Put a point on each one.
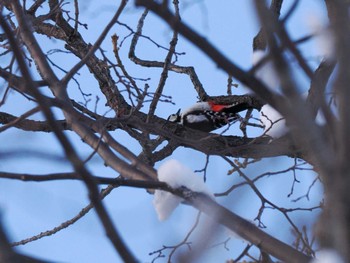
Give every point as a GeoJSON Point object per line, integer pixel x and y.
{"type": "Point", "coordinates": [176, 175]}
{"type": "Point", "coordinates": [273, 121]}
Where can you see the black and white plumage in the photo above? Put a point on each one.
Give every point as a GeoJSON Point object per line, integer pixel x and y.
{"type": "Point", "coordinates": [207, 116]}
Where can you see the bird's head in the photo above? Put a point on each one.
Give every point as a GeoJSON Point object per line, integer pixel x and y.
{"type": "Point", "coordinates": [175, 117]}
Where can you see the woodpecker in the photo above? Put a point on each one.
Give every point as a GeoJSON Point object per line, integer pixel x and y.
{"type": "Point", "coordinates": [208, 116]}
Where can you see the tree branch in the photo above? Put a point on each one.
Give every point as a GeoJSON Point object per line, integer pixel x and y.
{"type": "Point", "coordinates": [247, 230]}
{"type": "Point", "coordinates": [50, 77]}
{"type": "Point", "coordinates": [97, 44]}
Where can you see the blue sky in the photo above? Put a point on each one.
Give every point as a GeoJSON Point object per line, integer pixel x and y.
{"type": "Point", "coordinates": [30, 208]}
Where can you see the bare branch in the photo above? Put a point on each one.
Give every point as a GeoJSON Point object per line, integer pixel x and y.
{"type": "Point", "coordinates": [247, 230]}
{"type": "Point", "coordinates": [69, 150]}
{"type": "Point", "coordinates": [97, 44]}
{"type": "Point", "coordinates": [179, 69]}
{"type": "Point", "coordinates": [164, 74]}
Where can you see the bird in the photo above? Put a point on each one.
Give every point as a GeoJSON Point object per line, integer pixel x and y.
{"type": "Point", "coordinates": [207, 116]}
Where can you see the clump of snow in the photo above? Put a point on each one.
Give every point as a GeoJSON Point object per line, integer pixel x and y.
{"type": "Point", "coordinates": [175, 174]}
{"type": "Point", "coordinates": [327, 256]}
{"type": "Point", "coordinates": [165, 203]}
{"type": "Point", "coordinates": [273, 121]}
